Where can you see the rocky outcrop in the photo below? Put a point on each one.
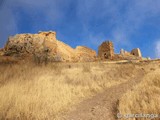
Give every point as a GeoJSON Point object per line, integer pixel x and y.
{"type": "Point", "coordinates": [31, 43]}
{"type": "Point", "coordinates": [66, 52]}
{"type": "Point", "coordinates": [85, 54]}
{"type": "Point", "coordinates": [1, 51]}
{"type": "Point", "coordinates": [45, 44]}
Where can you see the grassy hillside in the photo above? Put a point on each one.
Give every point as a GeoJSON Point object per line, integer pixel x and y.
{"type": "Point", "coordinates": [28, 91]}
{"type": "Point", "coordinates": [145, 97]}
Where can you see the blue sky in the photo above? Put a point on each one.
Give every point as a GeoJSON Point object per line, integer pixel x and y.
{"type": "Point", "coordinates": [128, 23]}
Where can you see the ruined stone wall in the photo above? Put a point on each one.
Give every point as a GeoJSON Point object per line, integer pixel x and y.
{"type": "Point", "coordinates": [124, 52]}
{"type": "Point", "coordinates": [136, 52]}
{"type": "Point", "coordinates": [106, 50]}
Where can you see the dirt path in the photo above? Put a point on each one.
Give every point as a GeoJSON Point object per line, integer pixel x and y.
{"type": "Point", "coordinates": [104, 105]}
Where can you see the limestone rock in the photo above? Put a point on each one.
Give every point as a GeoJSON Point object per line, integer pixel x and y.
{"type": "Point", "coordinates": [106, 50]}
{"type": "Point", "coordinates": [31, 43]}
{"type": "Point", "coordinates": [1, 51]}
{"type": "Point", "coordinates": [66, 52]}
{"type": "Point", "coordinates": [45, 45]}
{"type": "Point", "coordinates": [136, 52]}
{"type": "Point", "coordinates": [85, 54]}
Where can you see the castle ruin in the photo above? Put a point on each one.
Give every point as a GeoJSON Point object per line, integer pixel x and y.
{"type": "Point", "coordinates": [106, 50]}
{"type": "Point", "coordinates": [136, 52]}
{"type": "Point", "coordinates": [46, 43]}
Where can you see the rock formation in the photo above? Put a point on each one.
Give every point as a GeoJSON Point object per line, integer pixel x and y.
{"type": "Point", "coordinates": [85, 54]}
{"type": "Point", "coordinates": [31, 43]}
{"type": "Point", "coordinates": [45, 44]}
{"type": "Point", "coordinates": [106, 50]}
{"type": "Point", "coordinates": [136, 52]}
{"type": "Point", "coordinates": [1, 52]}
{"type": "Point", "coordinates": [66, 52]}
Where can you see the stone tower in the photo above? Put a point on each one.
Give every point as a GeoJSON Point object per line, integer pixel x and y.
{"type": "Point", "coordinates": [136, 52]}
{"type": "Point", "coordinates": [106, 50]}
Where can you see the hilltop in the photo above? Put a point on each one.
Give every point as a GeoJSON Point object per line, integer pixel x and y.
{"type": "Point", "coordinates": [44, 46]}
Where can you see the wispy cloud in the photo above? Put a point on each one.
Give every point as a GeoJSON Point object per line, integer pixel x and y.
{"type": "Point", "coordinates": [118, 20]}
{"type": "Point", "coordinates": [52, 12]}
{"type": "Point", "coordinates": [124, 17]}
{"type": "Point", "coordinates": [136, 14]}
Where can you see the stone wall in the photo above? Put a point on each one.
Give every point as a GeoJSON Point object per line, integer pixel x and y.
{"type": "Point", "coordinates": [106, 50]}
{"type": "Point", "coordinates": [136, 52]}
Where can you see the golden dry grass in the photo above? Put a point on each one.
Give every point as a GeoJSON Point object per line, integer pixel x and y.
{"type": "Point", "coordinates": [31, 92]}
{"type": "Point", "coordinates": [145, 97]}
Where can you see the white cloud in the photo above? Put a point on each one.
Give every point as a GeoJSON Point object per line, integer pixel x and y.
{"type": "Point", "coordinates": [125, 16]}
{"type": "Point", "coordinates": [135, 15]}
{"type": "Point", "coordinates": [52, 10]}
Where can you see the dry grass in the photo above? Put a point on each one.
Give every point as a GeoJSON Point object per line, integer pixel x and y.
{"type": "Point", "coordinates": [30, 92]}
{"type": "Point", "coordinates": [145, 97]}
{"type": "Point", "coordinates": [7, 60]}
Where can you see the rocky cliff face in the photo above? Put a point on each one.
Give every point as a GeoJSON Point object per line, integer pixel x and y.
{"type": "Point", "coordinates": [1, 52]}
{"type": "Point", "coordinates": [31, 43]}
{"type": "Point", "coordinates": [66, 52]}
{"type": "Point", "coordinates": [46, 43]}
{"type": "Point", "coordinates": [85, 54]}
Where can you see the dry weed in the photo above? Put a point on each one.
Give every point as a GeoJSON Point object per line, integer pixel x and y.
{"type": "Point", "coordinates": [31, 92]}
{"type": "Point", "coordinates": [144, 98]}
